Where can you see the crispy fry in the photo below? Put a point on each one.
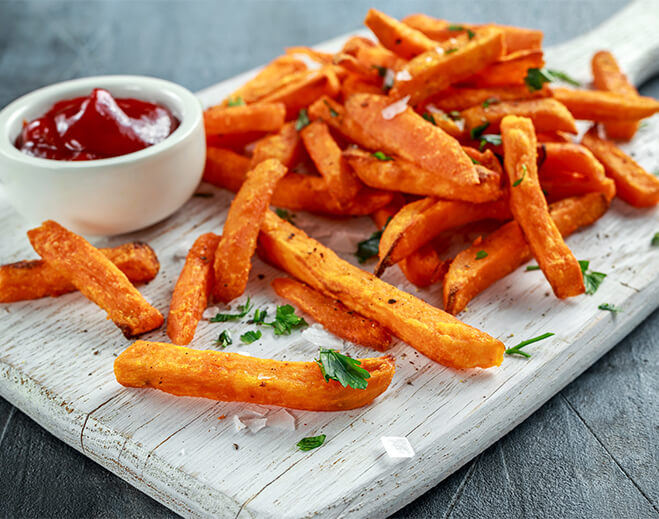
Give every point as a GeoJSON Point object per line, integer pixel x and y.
{"type": "Point", "coordinates": [458, 99]}
{"type": "Point", "coordinates": [508, 70]}
{"type": "Point", "coordinates": [100, 280]}
{"type": "Point", "coordinates": [285, 146]}
{"type": "Point", "coordinates": [321, 58]}
{"type": "Point", "coordinates": [507, 249]}
{"type": "Point", "coordinates": [608, 76]}
{"type": "Point", "coordinates": [232, 262]}
{"type": "Point", "coordinates": [378, 57]}
{"type": "Point", "coordinates": [412, 138]}
{"type": "Point", "coordinates": [231, 377]}
{"type": "Point", "coordinates": [558, 137]}
{"type": "Point", "coordinates": [225, 168]}
{"type": "Point", "coordinates": [336, 116]}
{"type": "Point", "coordinates": [400, 175]}
{"type": "Point", "coordinates": [357, 68]}
{"type": "Point", "coordinates": [529, 208]}
{"type": "Point", "coordinates": [382, 216]}
{"type": "Point", "coordinates": [192, 290]}
{"type": "Point", "coordinates": [334, 315]}
{"type": "Point", "coordinates": [233, 141]}
{"type": "Point", "coordinates": [341, 182]}
{"type": "Point", "coordinates": [355, 43]}
{"type": "Point", "coordinates": [355, 84]}
{"type": "Point", "coordinates": [434, 71]}
{"type": "Point", "coordinates": [548, 115]}
{"type": "Point", "coordinates": [263, 117]}
{"type": "Point", "coordinates": [424, 267]}
{"type": "Point", "coordinates": [419, 222]}
{"type": "Point", "coordinates": [633, 184]}
{"type": "Point", "coordinates": [396, 36]}
{"type": "Point", "coordinates": [33, 279]}
{"type": "Point", "coordinates": [424, 327]}
{"type": "Point", "coordinates": [558, 187]}
{"type": "Point", "coordinates": [595, 105]}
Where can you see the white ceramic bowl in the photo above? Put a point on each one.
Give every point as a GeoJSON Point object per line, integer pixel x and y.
{"type": "Point", "coordinates": [107, 196]}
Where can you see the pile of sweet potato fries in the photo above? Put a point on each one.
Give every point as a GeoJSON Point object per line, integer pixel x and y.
{"type": "Point", "coordinates": [430, 129]}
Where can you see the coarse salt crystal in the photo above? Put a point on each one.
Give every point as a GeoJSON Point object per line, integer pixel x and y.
{"type": "Point", "coordinates": [396, 108]}
{"type": "Point", "coordinates": [397, 446]}
{"type": "Point", "coordinates": [255, 424]}
{"type": "Point", "coordinates": [282, 419]}
{"type": "Point", "coordinates": [438, 50]}
{"type": "Point", "coordinates": [181, 452]}
{"type": "Point", "coordinates": [210, 312]}
{"type": "Point", "coordinates": [264, 377]}
{"type": "Point", "coordinates": [403, 75]}
{"type": "Point", "coordinates": [311, 63]}
{"type": "Point", "coordinates": [237, 423]}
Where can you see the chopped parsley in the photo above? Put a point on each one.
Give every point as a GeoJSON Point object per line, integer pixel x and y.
{"type": "Point", "coordinates": [474, 161]}
{"type": "Point", "coordinates": [302, 119]}
{"type": "Point", "coordinates": [609, 308]}
{"type": "Point", "coordinates": [536, 77]}
{"type": "Point", "coordinates": [490, 101]}
{"type": "Point", "coordinates": [655, 240]}
{"type": "Point", "coordinates": [470, 33]}
{"type": "Point", "coordinates": [311, 442]}
{"type": "Point", "coordinates": [224, 339]}
{"type": "Point", "coordinates": [429, 117]}
{"type": "Point", "coordinates": [591, 279]}
{"type": "Point", "coordinates": [243, 310]}
{"type": "Point", "coordinates": [250, 336]}
{"type": "Point", "coordinates": [345, 370]}
{"type": "Point", "coordinates": [450, 51]}
{"type": "Point", "coordinates": [333, 113]}
{"type": "Point", "coordinates": [368, 248]}
{"type": "Point", "coordinates": [562, 76]}
{"type": "Point", "coordinates": [286, 321]}
{"type": "Point", "coordinates": [455, 115]}
{"type": "Point", "coordinates": [382, 71]}
{"type": "Point", "coordinates": [285, 215]}
{"type": "Point", "coordinates": [491, 138]}
{"type": "Point", "coordinates": [476, 132]}
{"type": "Point", "coordinates": [238, 101]}
{"type": "Point", "coordinates": [259, 316]}
{"type": "Point", "coordinates": [532, 267]}
{"type": "Point", "coordinates": [521, 179]}
{"type": "Point", "coordinates": [382, 156]}
{"type": "Point", "coordinates": [481, 254]}
{"type": "Point", "coordinates": [517, 350]}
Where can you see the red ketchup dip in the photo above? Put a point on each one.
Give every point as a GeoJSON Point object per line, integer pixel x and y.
{"type": "Point", "coordinates": [96, 127]}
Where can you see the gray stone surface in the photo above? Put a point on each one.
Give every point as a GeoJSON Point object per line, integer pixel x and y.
{"type": "Point", "coordinates": [591, 451]}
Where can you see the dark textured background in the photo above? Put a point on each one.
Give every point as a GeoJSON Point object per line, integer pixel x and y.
{"type": "Point", "coordinates": [591, 451]}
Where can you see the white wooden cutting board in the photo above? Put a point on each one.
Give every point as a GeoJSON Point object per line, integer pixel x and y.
{"type": "Point", "coordinates": [56, 357]}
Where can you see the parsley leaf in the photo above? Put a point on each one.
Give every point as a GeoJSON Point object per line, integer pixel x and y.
{"type": "Point", "coordinates": [368, 248]}
{"type": "Point", "coordinates": [429, 117]}
{"type": "Point", "coordinates": [517, 350]}
{"type": "Point", "coordinates": [476, 132]}
{"type": "Point", "coordinates": [655, 240]}
{"type": "Point", "coordinates": [238, 101]}
{"type": "Point", "coordinates": [333, 113]}
{"type": "Point", "coordinates": [520, 179]}
{"type": "Point", "coordinates": [286, 321]}
{"type": "Point", "coordinates": [491, 138]}
{"type": "Point", "coordinates": [243, 310]}
{"type": "Point", "coordinates": [490, 101]}
{"type": "Point", "coordinates": [302, 119]}
{"type": "Point", "coordinates": [532, 267]}
{"type": "Point", "coordinates": [609, 308]}
{"type": "Point", "coordinates": [382, 156]}
{"type": "Point", "coordinates": [481, 254]}
{"type": "Point", "coordinates": [470, 33]}
{"type": "Point", "coordinates": [347, 371]}
{"type": "Point", "coordinates": [311, 442]}
{"type": "Point", "coordinates": [474, 161]}
{"type": "Point", "coordinates": [285, 215]}
{"type": "Point", "coordinates": [536, 77]}
{"type": "Point", "coordinates": [562, 76]}
{"type": "Point", "coordinates": [382, 71]}
{"type": "Point", "coordinates": [224, 339]}
{"type": "Point", "coordinates": [591, 279]}
{"type": "Point", "coordinates": [259, 316]}
{"type": "Point", "coordinates": [250, 336]}
{"type": "Point", "coordinates": [450, 51]}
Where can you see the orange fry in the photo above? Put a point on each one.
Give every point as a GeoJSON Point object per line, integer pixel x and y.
{"type": "Point", "coordinates": [432, 332]}
{"type": "Point", "coordinates": [634, 185]}
{"type": "Point", "coordinates": [508, 70]}
{"type": "Point", "coordinates": [285, 146]}
{"type": "Point", "coordinates": [408, 135]}
{"type": "Point", "coordinates": [378, 57]}
{"type": "Point", "coordinates": [334, 315]}
{"type": "Point", "coordinates": [547, 114]}
{"type": "Point", "coordinates": [354, 84]}
{"type": "Point", "coordinates": [608, 76]}
{"type": "Point", "coordinates": [595, 105]}
{"type": "Point", "coordinates": [435, 70]}
{"type": "Point", "coordinates": [33, 279]}
{"type": "Point", "coordinates": [458, 99]}
{"type": "Point", "coordinates": [424, 267]}
{"type": "Point", "coordinates": [232, 262]}
{"type": "Point", "coordinates": [355, 43]}
{"type": "Point", "coordinates": [396, 36]}
{"type": "Point", "coordinates": [232, 377]}
{"type": "Point", "coordinates": [97, 278]}
{"type": "Point", "coordinates": [336, 116]}
{"type": "Point", "coordinates": [341, 182]}
{"type": "Point", "coordinates": [194, 285]}
{"type": "Point", "coordinates": [528, 205]}
{"type": "Point", "coordinates": [263, 117]}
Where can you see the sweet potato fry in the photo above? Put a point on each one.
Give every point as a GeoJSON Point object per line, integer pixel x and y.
{"type": "Point", "coordinates": [558, 187]}
{"type": "Point", "coordinates": [396, 36]}
{"type": "Point", "coordinates": [233, 141]}
{"type": "Point", "coordinates": [354, 67]}
{"type": "Point", "coordinates": [225, 168]}
{"type": "Point", "coordinates": [97, 278]}
{"type": "Point", "coordinates": [336, 116]}
{"type": "Point", "coordinates": [263, 117]}
{"type": "Point", "coordinates": [424, 267]}
{"type": "Point", "coordinates": [285, 146]}
{"type": "Point", "coordinates": [234, 252]}
{"type": "Point", "coordinates": [529, 208]}
{"type": "Point", "coordinates": [354, 84]}
{"type": "Point", "coordinates": [507, 249]}
{"type": "Point", "coordinates": [301, 93]}
{"type": "Point", "coordinates": [232, 377]}
{"type": "Point", "coordinates": [342, 184]}
{"type": "Point", "coordinates": [558, 137]}
{"type": "Point", "coordinates": [33, 279]}
{"type": "Point", "coordinates": [419, 222]}
{"type": "Point", "coordinates": [458, 99]}
{"type": "Point", "coordinates": [382, 216]}
{"type": "Point", "coordinates": [409, 136]}
{"type": "Point", "coordinates": [435, 70]}
{"type": "Point", "coordinates": [378, 57]}
{"type": "Point", "coordinates": [400, 175]}
{"type": "Point", "coordinates": [608, 76]}
{"type": "Point", "coordinates": [508, 70]}
{"type": "Point", "coordinates": [334, 315]}
{"type": "Point", "coordinates": [306, 54]}
{"type": "Point", "coordinates": [355, 43]}
{"type": "Point", "coordinates": [596, 105]}
{"type": "Point", "coordinates": [634, 185]}
{"type": "Point", "coordinates": [192, 290]}
{"type": "Point", "coordinates": [548, 115]}
{"type": "Point", "coordinates": [424, 327]}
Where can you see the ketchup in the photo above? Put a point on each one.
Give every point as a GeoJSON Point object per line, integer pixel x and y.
{"type": "Point", "coordinates": [96, 127]}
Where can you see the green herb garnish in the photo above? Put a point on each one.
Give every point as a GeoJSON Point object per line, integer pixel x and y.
{"type": "Point", "coordinates": [243, 310]}
{"type": "Point", "coordinates": [250, 336]}
{"type": "Point", "coordinates": [429, 117]}
{"type": "Point", "coordinates": [517, 350]}
{"type": "Point", "coordinates": [455, 115]}
{"type": "Point", "coordinates": [450, 51]}
{"type": "Point", "coordinates": [474, 161]}
{"type": "Point", "coordinates": [382, 156]}
{"type": "Point", "coordinates": [655, 240]}
{"type": "Point", "coordinates": [302, 119]}
{"type": "Point", "coordinates": [521, 179]}
{"type": "Point", "coordinates": [286, 321]}
{"type": "Point", "coordinates": [490, 101]}
{"type": "Point", "coordinates": [285, 215]}
{"type": "Point", "coordinates": [368, 248]}
{"type": "Point", "coordinates": [476, 132]}
{"type": "Point", "coordinates": [481, 254]}
{"type": "Point", "coordinates": [238, 101]}
{"type": "Point", "coordinates": [470, 33]}
{"type": "Point", "coordinates": [345, 370]}
{"type": "Point", "coordinates": [491, 138]}
{"type": "Point", "coordinates": [259, 316]}
{"type": "Point", "coordinates": [609, 308]}
{"type": "Point", "coordinates": [536, 77]}
{"type": "Point", "coordinates": [532, 267]}
{"type": "Point", "coordinates": [591, 279]}
{"type": "Point", "coordinates": [224, 339]}
{"type": "Point", "coordinates": [311, 442]}
{"type": "Point", "coordinates": [333, 113]}
{"type": "Point", "coordinates": [562, 76]}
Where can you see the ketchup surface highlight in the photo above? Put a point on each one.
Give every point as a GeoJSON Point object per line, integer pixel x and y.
{"type": "Point", "coordinates": [96, 127]}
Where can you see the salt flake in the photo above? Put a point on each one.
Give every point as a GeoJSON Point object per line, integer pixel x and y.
{"type": "Point", "coordinates": [311, 63]}
{"type": "Point", "coordinates": [403, 75]}
{"type": "Point", "coordinates": [391, 111]}
{"type": "Point", "coordinates": [397, 446]}
{"type": "Point", "coordinates": [255, 424]}
{"type": "Point", "coordinates": [282, 419]}
{"type": "Point", "coordinates": [238, 424]}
